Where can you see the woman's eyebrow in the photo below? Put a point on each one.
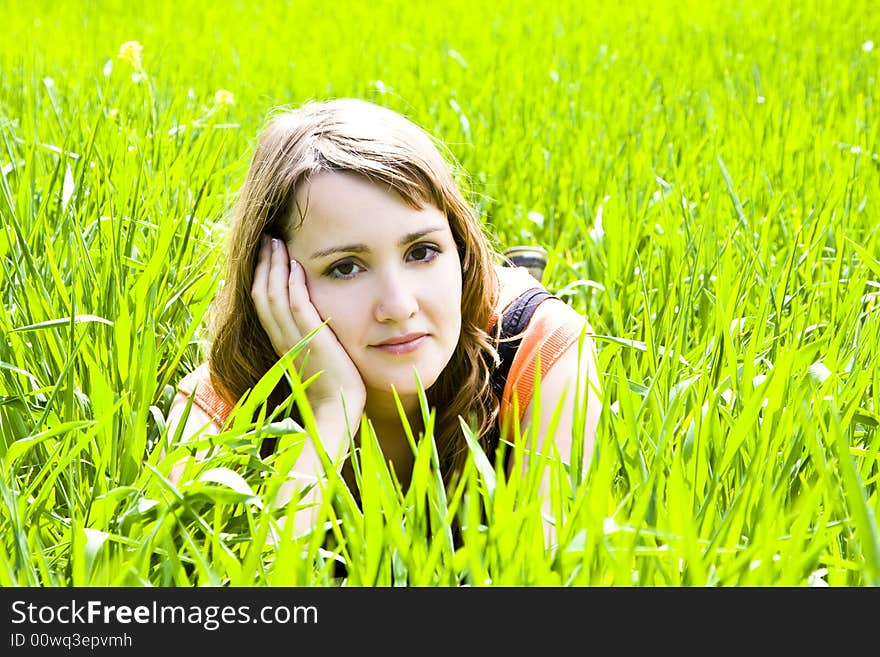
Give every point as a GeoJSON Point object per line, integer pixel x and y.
{"type": "Point", "coordinates": [363, 248]}
{"type": "Point", "coordinates": [346, 248]}
{"type": "Point", "coordinates": [419, 234]}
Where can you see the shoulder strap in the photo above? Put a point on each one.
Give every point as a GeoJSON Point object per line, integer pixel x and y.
{"type": "Point", "coordinates": [513, 323]}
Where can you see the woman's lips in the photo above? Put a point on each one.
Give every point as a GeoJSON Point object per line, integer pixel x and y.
{"type": "Point", "coordinates": [402, 347]}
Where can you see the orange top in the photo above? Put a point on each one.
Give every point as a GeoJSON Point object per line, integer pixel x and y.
{"type": "Point", "coordinates": [554, 327]}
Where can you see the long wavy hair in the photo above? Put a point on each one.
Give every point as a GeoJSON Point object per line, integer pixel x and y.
{"type": "Point", "coordinates": [383, 146]}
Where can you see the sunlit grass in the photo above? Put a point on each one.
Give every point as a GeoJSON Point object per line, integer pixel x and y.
{"type": "Point", "coordinates": [704, 176]}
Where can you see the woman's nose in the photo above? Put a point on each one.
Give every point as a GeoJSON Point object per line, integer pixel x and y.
{"type": "Point", "coordinates": [396, 298]}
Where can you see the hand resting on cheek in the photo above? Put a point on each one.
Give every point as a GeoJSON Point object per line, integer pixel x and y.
{"type": "Point", "coordinates": [281, 299]}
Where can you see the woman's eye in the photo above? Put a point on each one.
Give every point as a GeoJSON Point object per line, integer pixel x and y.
{"type": "Point", "coordinates": [424, 252]}
{"type": "Point", "coordinates": [343, 270]}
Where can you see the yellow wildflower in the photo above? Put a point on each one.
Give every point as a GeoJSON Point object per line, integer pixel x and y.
{"type": "Point", "coordinates": [224, 97]}
{"type": "Point", "coordinates": [131, 51]}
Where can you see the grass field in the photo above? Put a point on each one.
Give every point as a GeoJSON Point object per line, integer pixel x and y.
{"type": "Point", "coordinates": [703, 174]}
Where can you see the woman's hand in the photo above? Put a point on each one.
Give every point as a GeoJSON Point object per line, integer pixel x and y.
{"type": "Point", "coordinates": [282, 302]}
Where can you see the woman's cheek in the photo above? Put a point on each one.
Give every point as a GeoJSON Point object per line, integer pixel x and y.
{"type": "Point", "coordinates": [339, 317]}
{"type": "Point", "coordinates": [320, 298]}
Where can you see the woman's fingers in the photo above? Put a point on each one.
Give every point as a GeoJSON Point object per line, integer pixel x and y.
{"type": "Point", "coordinates": [281, 298]}
{"type": "Point", "coordinates": [301, 308]}
{"type": "Point", "coordinates": [277, 295]}
{"type": "Point", "coordinates": [270, 296]}
{"type": "Point", "coordinates": [258, 289]}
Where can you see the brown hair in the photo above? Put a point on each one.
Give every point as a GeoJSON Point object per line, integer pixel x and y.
{"type": "Point", "coordinates": [383, 146]}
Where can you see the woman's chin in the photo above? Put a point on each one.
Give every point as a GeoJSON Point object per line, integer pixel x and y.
{"type": "Point", "coordinates": [405, 387]}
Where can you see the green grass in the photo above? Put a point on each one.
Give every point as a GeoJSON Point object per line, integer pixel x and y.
{"type": "Point", "coordinates": [704, 176]}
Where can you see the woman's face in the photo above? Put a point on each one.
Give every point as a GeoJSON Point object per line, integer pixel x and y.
{"type": "Point", "coordinates": [380, 271]}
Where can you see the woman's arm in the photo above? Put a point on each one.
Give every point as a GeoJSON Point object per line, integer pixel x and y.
{"type": "Point", "coordinates": [198, 420]}
{"type": "Point", "coordinates": [560, 383]}
{"type": "Point", "coordinates": [331, 426]}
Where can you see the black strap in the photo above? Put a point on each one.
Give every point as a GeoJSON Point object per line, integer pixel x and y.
{"type": "Point", "coordinates": [514, 322]}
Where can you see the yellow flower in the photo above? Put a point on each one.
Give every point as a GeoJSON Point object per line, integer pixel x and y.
{"type": "Point", "coordinates": [224, 97]}
{"type": "Point", "coordinates": [131, 51]}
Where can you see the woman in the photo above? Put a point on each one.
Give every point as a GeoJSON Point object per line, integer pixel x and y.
{"type": "Point", "coordinates": [350, 215]}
